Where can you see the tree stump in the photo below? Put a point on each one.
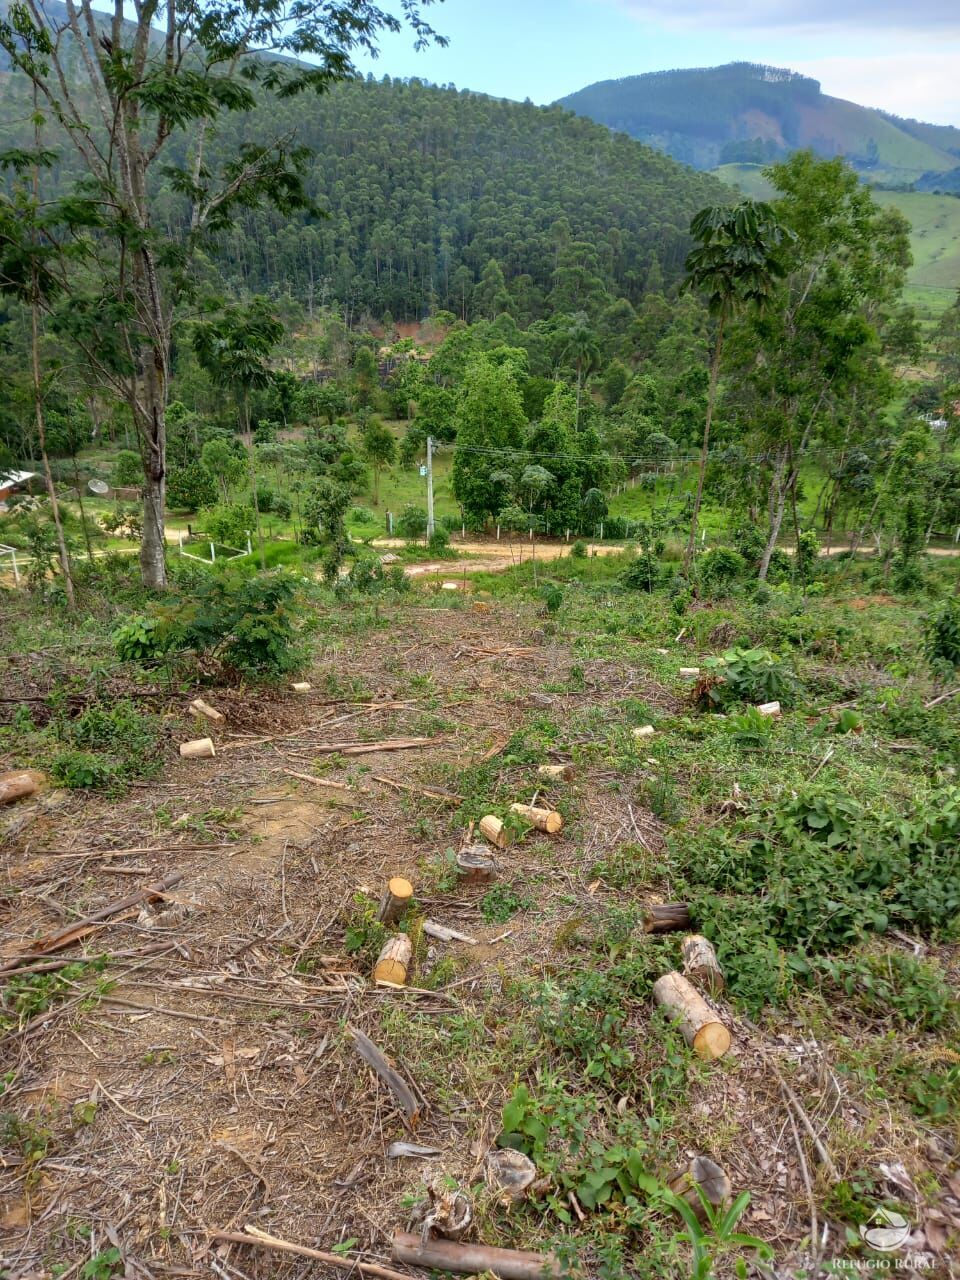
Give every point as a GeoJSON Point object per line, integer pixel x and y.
{"type": "Point", "coordinates": [395, 900]}
{"type": "Point", "coordinates": [198, 749]}
{"type": "Point", "coordinates": [663, 917]}
{"type": "Point", "coordinates": [700, 964]}
{"type": "Point", "coordinates": [394, 961]}
{"type": "Point", "coordinates": [701, 1175]}
{"type": "Point", "coordinates": [701, 1028]}
{"type": "Point", "coordinates": [547, 820]}
{"type": "Point", "coordinates": [476, 865]}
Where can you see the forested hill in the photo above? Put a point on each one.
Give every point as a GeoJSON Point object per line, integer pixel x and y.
{"type": "Point", "coordinates": [444, 199]}
{"type": "Point", "coordinates": [743, 112]}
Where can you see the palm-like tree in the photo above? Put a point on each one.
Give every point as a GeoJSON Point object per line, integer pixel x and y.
{"type": "Point", "coordinates": [583, 348]}
{"type": "Point", "coordinates": [735, 263]}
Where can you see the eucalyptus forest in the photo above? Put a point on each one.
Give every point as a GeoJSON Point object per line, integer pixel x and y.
{"type": "Point", "coordinates": [480, 628]}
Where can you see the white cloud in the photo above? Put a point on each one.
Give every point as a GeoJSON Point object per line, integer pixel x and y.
{"type": "Point", "coordinates": [925, 86]}
{"type": "Point", "coordinates": [868, 16]}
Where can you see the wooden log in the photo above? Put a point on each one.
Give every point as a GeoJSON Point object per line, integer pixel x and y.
{"type": "Point", "coordinates": [645, 731]}
{"type": "Point", "coordinates": [391, 967]}
{"type": "Point", "coordinates": [20, 784]}
{"type": "Point", "coordinates": [701, 1028]}
{"type": "Point", "coordinates": [474, 1259]}
{"type": "Point", "coordinates": [201, 708]}
{"type": "Point", "coordinates": [198, 749]}
{"type": "Point", "coordinates": [440, 931]}
{"type": "Point", "coordinates": [771, 709]}
{"type": "Point", "coordinates": [701, 1175]}
{"type": "Point", "coordinates": [547, 820]}
{"type": "Point", "coordinates": [663, 917]}
{"type": "Point", "coordinates": [301, 686]}
{"type": "Point", "coordinates": [476, 865]}
{"type": "Point", "coordinates": [689, 673]}
{"type": "Point", "coordinates": [557, 772]}
{"type": "Point", "coordinates": [396, 898]}
{"type": "Point", "coordinates": [493, 829]}
{"type": "Point", "coordinates": [700, 964]}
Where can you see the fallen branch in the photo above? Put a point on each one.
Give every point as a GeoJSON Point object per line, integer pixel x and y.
{"type": "Point", "coordinates": [88, 924]}
{"type": "Point", "coordinates": [432, 793]}
{"type": "Point", "coordinates": [443, 934]}
{"type": "Point", "coordinates": [321, 782]}
{"type": "Point", "coordinates": [394, 1081]}
{"type": "Point", "coordinates": [349, 748]}
{"type": "Point", "coordinates": [258, 1239]}
{"type": "Point", "coordinates": [474, 1259]}
{"type": "Point", "coordinates": [935, 702]}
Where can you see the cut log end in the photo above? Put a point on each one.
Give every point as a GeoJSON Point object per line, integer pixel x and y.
{"type": "Point", "coordinates": [301, 686]}
{"type": "Point", "coordinates": [20, 784]}
{"type": "Point", "coordinates": [547, 820]}
{"type": "Point", "coordinates": [198, 749]}
{"type": "Point", "coordinates": [394, 961]}
{"type": "Point", "coordinates": [770, 709]}
{"type": "Point", "coordinates": [492, 829]}
{"type": "Point", "coordinates": [396, 898]}
{"type": "Point", "coordinates": [201, 708]}
{"type": "Point", "coordinates": [699, 1024]}
{"type": "Point", "coordinates": [557, 772]}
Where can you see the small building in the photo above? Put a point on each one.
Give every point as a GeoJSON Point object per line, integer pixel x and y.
{"type": "Point", "coordinates": [12, 482]}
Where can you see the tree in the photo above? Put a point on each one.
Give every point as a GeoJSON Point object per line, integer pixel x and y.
{"type": "Point", "coordinates": [324, 511]}
{"type": "Point", "coordinates": [365, 377]}
{"type": "Point", "coordinates": [127, 469]}
{"type": "Point", "coordinates": [379, 449]}
{"type": "Point", "coordinates": [489, 420]}
{"type": "Point", "coordinates": [235, 349]}
{"type": "Point", "coordinates": [735, 263]}
{"type": "Point", "coordinates": [583, 349]}
{"type": "Point", "coordinates": [224, 462]}
{"type": "Point", "coordinates": [123, 86]}
{"type": "Point", "coordinates": [192, 487]}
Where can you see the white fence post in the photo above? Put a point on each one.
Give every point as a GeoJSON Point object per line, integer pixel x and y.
{"type": "Point", "coordinates": [213, 553]}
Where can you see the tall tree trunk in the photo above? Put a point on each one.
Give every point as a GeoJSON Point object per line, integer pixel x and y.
{"type": "Point", "coordinates": [777, 506]}
{"type": "Point", "coordinates": [705, 447]}
{"type": "Point", "coordinates": [42, 441]}
{"type": "Point", "coordinates": [252, 460]}
{"type": "Point", "coordinates": [83, 514]}
{"type": "Point", "coordinates": [38, 414]}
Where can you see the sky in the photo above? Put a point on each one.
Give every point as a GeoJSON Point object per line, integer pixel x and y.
{"type": "Point", "coordinates": [903, 57]}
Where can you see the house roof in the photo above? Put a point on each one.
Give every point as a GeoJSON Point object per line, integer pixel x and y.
{"type": "Point", "coordinates": [8, 478]}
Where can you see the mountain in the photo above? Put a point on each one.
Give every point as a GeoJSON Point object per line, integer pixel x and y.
{"type": "Point", "coordinates": [426, 191]}
{"type": "Point", "coordinates": [743, 113]}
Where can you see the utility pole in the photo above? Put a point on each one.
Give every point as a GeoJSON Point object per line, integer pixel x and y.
{"type": "Point", "coordinates": [430, 524]}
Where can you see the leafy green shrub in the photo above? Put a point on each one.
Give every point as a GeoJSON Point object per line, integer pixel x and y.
{"type": "Point", "coordinates": [808, 553]}
{"type": "Point", "coordinates": [247, 623]}
{"type": "Point", "coordinates": [749, 675]}
{"type": "Point", "coordinates": [941, 634]}
{"type": "Point", "coordinates": [579, 550]}
{"type": "Point", "coordinates": [439, 540]}
{"type": "Point", "coordinates": [78, 770]}
{"type": "Point", "coordinates": [893, 986]}
{"type": "Point", "coordinates": [138, 640]}
{"type": "Point", "coordinates": [552, 596]}
{"type": "Point", "coordinates": [719, 569]}
{"type": "Point", "coordinates": [229, 523]}
{"type": "Point", "coordinates": [642, 573]}
{"type": "Point", "coordinates": [412, 522]}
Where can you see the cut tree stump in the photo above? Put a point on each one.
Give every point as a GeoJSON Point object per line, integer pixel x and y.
{"type": "Point", "coordinates": [20, 784]}
{"type": "Point", "coordinates": [474, 1259]}
{"type": "Point", "coordinates": [394, 960]}
{"type": "Point", "coordinates": [769, 709]}
{"type": "Point", "coordinates": [700, 964]}
{"type": "Point", "coordinates": [201, 708]}
{"type": "Point", "coordinates": [476, 865]}
{"type": "Point", "coordinates": [547, 820]}
{"type": "Point", "coordinates": [493, 829]}
{"type": "Point", "coordinates": [557, 772]}
{"type": "Point", "coordinates": [701, 1028]}
{"type": "Point", "coordinates": [198, 749]}
{"type": "Point", "coordinates": [701, 1175]}
{"type": "Point", "coordinates": [663, 917]}
{"type": "Point", "coordinates": [396, 898]}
